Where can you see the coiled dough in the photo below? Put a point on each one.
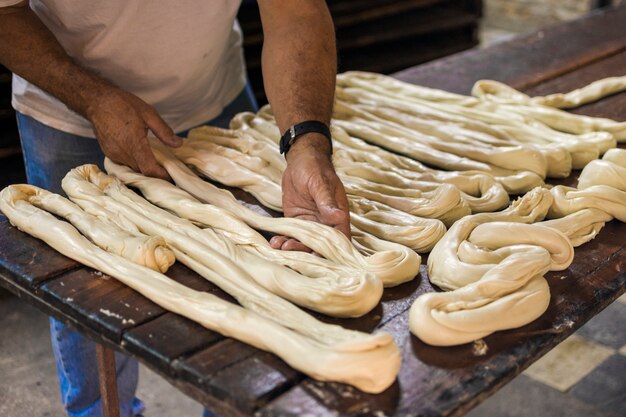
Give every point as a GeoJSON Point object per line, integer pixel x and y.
{"type": "Point", "coordinates": [494, 265]}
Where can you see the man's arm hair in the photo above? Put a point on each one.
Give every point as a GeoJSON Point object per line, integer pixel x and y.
{"type": "Point", "coordinates": [299, 60]}
{"type": "Point", "coordinates": [120, 120]}
{"type": "Point", "coordinates": [30, 50]}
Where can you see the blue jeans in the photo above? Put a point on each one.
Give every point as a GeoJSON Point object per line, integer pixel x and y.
{"type": "Point", "coordinates": [48, 155]}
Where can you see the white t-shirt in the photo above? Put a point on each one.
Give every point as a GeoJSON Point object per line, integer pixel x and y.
{"type": "Point", "coordinates": [184, 57]}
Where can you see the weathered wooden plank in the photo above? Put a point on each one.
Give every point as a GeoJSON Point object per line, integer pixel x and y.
{"type": "Point", "coordinates": [237, 374]}
{"type": "Point", "coordinates": [30, 260]}
{"type": "Point", "coordinates": [611, 66]}
{"type": "Point", "coordinates": [33, 297]}
{"type": "Point", "coordinates": [295, 403]}
{"type": "Point", "coordinates": [611, 107]}
{"type": "Point", "coordinates": [531, 59]}
{"type": "Point", "coordinates": [99, 301]}
{"type": "Point", "coordinates": [250, 383]}
{"type": "Point", "coordinates": [201, 367]}
{"type": "Point", "coordinates": [170, 337]}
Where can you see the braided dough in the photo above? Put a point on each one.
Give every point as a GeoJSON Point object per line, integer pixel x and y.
{"type": "Point", "coordinates": [149, 251]}
{"type": "Point", "coordinates": [323, 351]}
{"type": "Point", "coordinates": [500, 114]}
{"type": "Point", "coordinates": [349, 294]}
{"type": "Point", "coordinates": [367, 216]}
{"type": "Point", "coordinates": [393, 264]}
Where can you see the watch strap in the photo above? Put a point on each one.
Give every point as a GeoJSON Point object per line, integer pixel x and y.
{"type": "Point", "coordinates": [299, 129]}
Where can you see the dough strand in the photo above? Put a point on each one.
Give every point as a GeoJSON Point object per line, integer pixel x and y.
{"type": "Point", "coordinates": [325, 352]}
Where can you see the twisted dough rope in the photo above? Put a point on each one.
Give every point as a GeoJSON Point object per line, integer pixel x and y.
{"type": "Point", "coordinates": [435, 146]}
{"type": "Point", "coordinates": [337, 277]}
{"type": "Point", "coordinates": [558, 159]}
{"type": "Point", "coordinates": [393, 264]}
{"type": "Point", "coordinates": [211, 152]}
{"type": "Point", "coordinates": [544, 109]}
{"type": "Point", "coordinates": [535, 111]}
{"type": "Point", "coordinates": [494, 263]}
{"type": "Point", "coordinates": [555, 160]}
{"type": "Point", "coordinates": [129, 243]}
{"type": "Point", "coordinates": [357, 158]}
{"type": "Point", "coordinates": [256, 137]}
{"type": "Point", "coordinates": [325, 352]}
{"type": "Point", "coordinates": [204, 156]}
{"type": "Point", "coordinates": [517, 120]}
{"type": "Point", "coordinates": [214, 165]}
{"type": "Point", "coordinates": [432, 201]}
{"type": "Point", "coordinates": [601, 186]}
{"type": "Point", "coordinates": [514, 182]}
{"type": "Point", "coordinates": [346, 295]}
{"type": "Point", "coordinates": [495, 269]}
{"type": "Point", "coordinates": [179, 202]}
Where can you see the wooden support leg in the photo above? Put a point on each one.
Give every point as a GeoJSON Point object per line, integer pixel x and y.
{"type": "Point", "coordinates": [107, 377]}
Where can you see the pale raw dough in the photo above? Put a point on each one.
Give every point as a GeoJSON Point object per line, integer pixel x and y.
{"type": "Point", "coordinates": [431, 143]}
{"type": "Point", "coordinates": [206, 157]}
{"type": "Point", "coordinates": [350, 294]}
{"type": "Point", "coordinates": [388, 224]}
{"type": "Point", "coordinates": [128, 242]}
{"type": "Point", "coordinates": [543, 108]}
{"type": "Point", "coordinates": [354, 158]}
{"type": "Point", "coordinates": [494, 265]}
{"type": "Point", "coordinates": [323, 351]}
{"type": "Point", "coordinates": [393, 225]}
{"type": "Point", "coordinates": [601, 186]}
{"type": "Point", "coordinates": [392, 263]}
{"type": "Point", "coordinates": [218, 161]}
{"type": "Point", "coordinates": [500, 114]}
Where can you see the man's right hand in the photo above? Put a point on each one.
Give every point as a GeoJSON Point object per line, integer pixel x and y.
{"type": "Point", "coordinates": [121, 122]}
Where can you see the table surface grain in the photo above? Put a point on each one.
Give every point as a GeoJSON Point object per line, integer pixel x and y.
{"type": "Point", "coordinates": [235, 379]}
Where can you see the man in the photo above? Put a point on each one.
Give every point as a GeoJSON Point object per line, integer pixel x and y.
{"type": "Point", "coordinates": [118, 71]}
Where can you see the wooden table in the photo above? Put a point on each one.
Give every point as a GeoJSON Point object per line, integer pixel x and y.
{"type": "Point", "coordinates": [234, 379]}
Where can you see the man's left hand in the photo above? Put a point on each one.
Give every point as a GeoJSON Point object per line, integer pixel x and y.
{"type": "Point", "coordinates": [312, 190]}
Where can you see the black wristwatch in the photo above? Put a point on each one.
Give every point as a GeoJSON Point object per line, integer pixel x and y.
{"type": "Point", "coordinates": [299, 129]}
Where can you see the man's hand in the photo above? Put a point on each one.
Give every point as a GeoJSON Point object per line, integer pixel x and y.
{"type": "Point", "coordinates": [121, 122]}
{"type": "Point", "coordinates": [312, 190]}
{"type": "Point", "coordinates": [299, 66]}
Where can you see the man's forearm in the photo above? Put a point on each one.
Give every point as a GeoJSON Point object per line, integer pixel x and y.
{"type": "Point", "coordinates": [120, 120]}
{"type": "Point", "coordinates": [299, 60]}
{"type": "Point", "coordinates": [30, 50]}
